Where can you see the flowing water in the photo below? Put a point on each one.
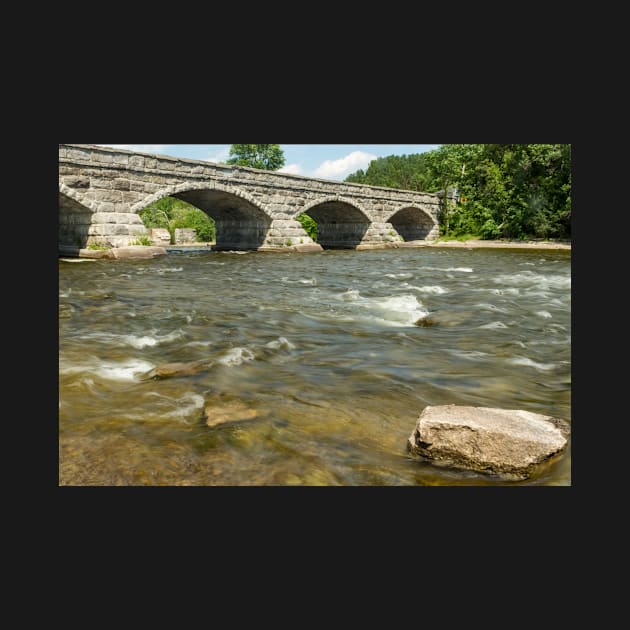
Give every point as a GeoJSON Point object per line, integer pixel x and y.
{"type": "Point", "coordinates": [310, 368]}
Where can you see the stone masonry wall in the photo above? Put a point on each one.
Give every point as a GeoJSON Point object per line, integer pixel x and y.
{"type": "Point", "coordinates": [185, 235]}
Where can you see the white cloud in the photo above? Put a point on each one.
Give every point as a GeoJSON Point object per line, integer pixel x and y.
{"type": "Point", "coordinates": [291, 169]}
{"type": "Point", "coordinates": [141, 148]}
{"type": "Point", "coordinates": [338, 169]}
{"type": "Point", "coordinates": [219, 157]}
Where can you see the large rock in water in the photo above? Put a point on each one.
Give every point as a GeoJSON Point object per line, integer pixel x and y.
{"type": "Point", "coordinates": [500, 441]}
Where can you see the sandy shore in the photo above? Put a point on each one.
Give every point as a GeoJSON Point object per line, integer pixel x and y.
{"type": "Point", "coordinates": [473, 243]}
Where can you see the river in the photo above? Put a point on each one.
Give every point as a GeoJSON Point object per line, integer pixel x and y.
{"type": "Point", "coordinates": [311, 368]}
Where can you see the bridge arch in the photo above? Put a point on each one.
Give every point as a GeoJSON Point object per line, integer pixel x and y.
{"type": "Point", "coordinates": [75, 218]}
{"type": "Point", "coordinates": [241, 221]}
{"type": "Point", "coordinates": [341, 223]}
{"type": "Point", "coordinates": [412, 223]}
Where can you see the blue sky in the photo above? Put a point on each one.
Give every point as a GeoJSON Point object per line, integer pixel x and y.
{"type": "Point", "coordinates": [326, 161]}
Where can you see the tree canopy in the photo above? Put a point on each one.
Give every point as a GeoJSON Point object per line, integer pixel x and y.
{"type": "Point", "coordinates": [504, 190]}
{"type": "Point", "coordinates": [269, 157]}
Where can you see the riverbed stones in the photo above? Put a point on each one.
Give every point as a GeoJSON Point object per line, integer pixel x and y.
{"type": "Point", "coordinates": [507, 442]}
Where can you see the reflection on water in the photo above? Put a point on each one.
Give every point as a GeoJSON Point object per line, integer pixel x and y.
{"type": "Point", "coordinates": [272, 369]}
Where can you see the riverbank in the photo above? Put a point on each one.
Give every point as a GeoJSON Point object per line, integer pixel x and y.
{"type": "Point", "coordinates": [475, 244]}
{"type": "Point", "coordinates": [153, 252]}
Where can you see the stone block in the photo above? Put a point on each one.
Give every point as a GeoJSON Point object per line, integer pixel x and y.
{"type": "Point", "coordinates": [107, 195]}
{"type": "Point", "coordinates": [136, 230]}
{"type": "Point", "coordinates": [131, 197]}
{"type": "Point", "coordinates": [79, 154]}
{"type": "Point", "coordinates": [160, 236]}
{"type": "Point", "coordinates": [132, 219]}
{"type": "Point", "coordinates": [100, 183]}
{"type": "Point", "coordinates": [137, 185]}
{"type": "Point", "coordinates": [282, 224]}
{"type": "Point", "coordinates": [164, 164]}
{"type": "Point", "coordinates": [76, 182]}
{"type": "Point", "coordinates": [185, 235]}
{"type": "Point", "coordinates": [136, 161]}
{"type": "Point", "coordinates": [122, 207]}
{"type": "Point", "coordinates": [105, 158]}
{"type": "Point", "coordinates": [106, 207]}
{"type": "Point", "coordinates": [104, 217]}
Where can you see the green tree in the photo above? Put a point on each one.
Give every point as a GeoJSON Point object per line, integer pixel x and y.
{"type": "Point", "coordinates": [199, 221]}
{"type": "Point", "coordinates": [405, 172]}
{"type": "Point", "coordinates": [171, 213]}
{"type": "Point", "coordinates": [309, 225]}
{"type": "Point", "coordinates": [505, 190]}
{"type": "Point", "coordinates": [269, 157]}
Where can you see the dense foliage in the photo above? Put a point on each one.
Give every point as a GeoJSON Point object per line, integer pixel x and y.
{"type": "Point", "coordinates": [512, 191]}
{"type": "Point", "coordinates": [171, 213]}
{"type": "Point", "coordinates": [269, 157]}
{"type": "Point", "coordinates": [309, 225]}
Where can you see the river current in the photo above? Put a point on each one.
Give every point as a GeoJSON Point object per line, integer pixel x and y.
{"type": "Point", "coordinates": [232, 368]}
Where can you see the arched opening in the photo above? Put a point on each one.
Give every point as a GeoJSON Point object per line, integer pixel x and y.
{"type": "Point", "coordinates": [412, 224]}
{"type": "Point", "coordinates": [177, 222]}
{"type": "Point", "coordinates": [74, 222]}
{"type": "Point", "coordinates": [239, 224]}
{"type": "Point", "coordinates": [340, 225]}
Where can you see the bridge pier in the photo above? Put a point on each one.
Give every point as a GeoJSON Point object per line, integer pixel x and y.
{"type": "Point", "coordinates": [338, 235]}
{"type": "Point", "coordinates": [286, 233]}
{"type": "Point", "coordinates": [115, 229]}
{"type": "Point", "coordinates": [239, 234]}
{"type": "Point", "coordinates": [381, 234]}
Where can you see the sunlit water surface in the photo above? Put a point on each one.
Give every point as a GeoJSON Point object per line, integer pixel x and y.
{"type": "Point", "coordinates": [313, 368]}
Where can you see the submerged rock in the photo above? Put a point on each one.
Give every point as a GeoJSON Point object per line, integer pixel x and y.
{"type": "Point", "coordinates": [217, 413]}
{"type": "Point", "coordinates": [170, 370]}
{"type": "Point", "coordinates": [499, 441]}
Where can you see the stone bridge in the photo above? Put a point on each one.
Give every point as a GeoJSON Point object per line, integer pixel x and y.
{"type": "Point", "coordinates": [101, 191]}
